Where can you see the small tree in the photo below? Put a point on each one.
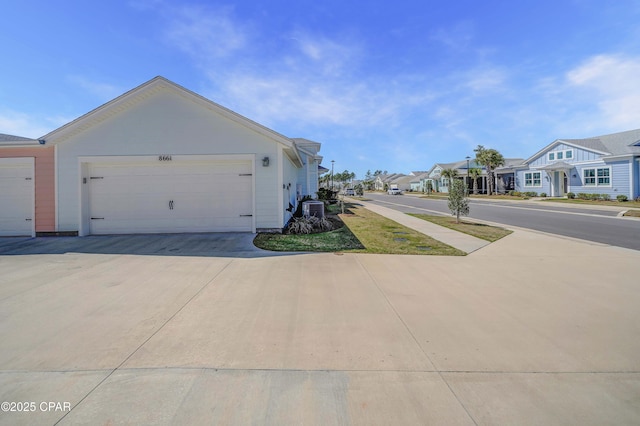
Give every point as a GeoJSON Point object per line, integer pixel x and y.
{"type": "Point", "coordinates": [458, 200]}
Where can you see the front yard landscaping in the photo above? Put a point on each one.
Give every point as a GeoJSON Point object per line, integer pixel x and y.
{"type": "Point", "coordinates": [363, 232]}
{"type": "Point", "coordinates": [381, 235]}
{"type": "Point", "coordinates": [340, 239]}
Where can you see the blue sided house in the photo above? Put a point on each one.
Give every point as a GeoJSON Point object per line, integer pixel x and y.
{"type": "Point", "coordinates": [608, 164]}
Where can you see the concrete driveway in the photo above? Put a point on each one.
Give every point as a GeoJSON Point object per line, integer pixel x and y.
{"type": "Point", "coordinates": [231, 244]}
{"type": "Point", "coordinates": [529, 330]}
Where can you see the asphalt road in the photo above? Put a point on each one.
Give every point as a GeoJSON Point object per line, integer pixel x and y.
{"type": "Point", "coordinates": [602, 226]}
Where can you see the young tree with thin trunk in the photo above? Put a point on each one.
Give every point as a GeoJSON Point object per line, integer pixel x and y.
{"type": "Point", "coordinates": [458, 201]}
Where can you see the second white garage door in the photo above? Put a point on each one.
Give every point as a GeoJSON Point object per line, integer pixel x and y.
{"type": "Point", "coordinates": [170, 197]}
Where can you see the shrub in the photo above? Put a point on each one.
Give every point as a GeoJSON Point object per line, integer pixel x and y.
{"type": "Point", "coordinates": [571, 195]}
{"type": "Point", "coordinates": [308, 225]}
{"type": "Point", "coordinates": [323, 224]}
{"type": "Point", "coordinates": [543, 194]}
{"type": "Point", "coordinates": [605, 197]}
{"type": "Point", "coordinates": [511, 193]}
{"type": "Point", "coordinates": [516, 193]}
{"type": "Point", "coordinates": [582, 196]}
{"type": "Point", "coordinates": [300, 225]}
{"type": "Point", "coordinates": [530, 194]}
{"type": "Point", "coordinates": [622, 198]}
{"type": "Point", "coordinates": [326, 194]}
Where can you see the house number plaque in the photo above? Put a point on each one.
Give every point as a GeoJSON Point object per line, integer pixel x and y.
{"type": "Point", "coordinates": [164, 158]}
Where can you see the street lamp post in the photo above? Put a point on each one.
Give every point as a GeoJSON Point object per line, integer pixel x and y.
{"type": "Point", "coordinates": [467, 182]}
{"type": "Point", "coordinates": [332, 161]}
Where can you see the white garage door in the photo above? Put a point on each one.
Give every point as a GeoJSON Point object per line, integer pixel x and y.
{"type": "Point", "coordinates": [212, 196]}
{"type": "Point", "coordinates": [16, 198]}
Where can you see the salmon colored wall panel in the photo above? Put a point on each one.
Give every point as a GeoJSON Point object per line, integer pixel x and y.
{"type": "Point", "coordinates": [44, 183]}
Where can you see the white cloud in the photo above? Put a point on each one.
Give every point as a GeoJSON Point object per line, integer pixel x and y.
{"type": "Point", "coordinates": [281, 98]}
{"type": "Point", "coordinates": [205, 33]}
{"type": "Point", "coordinates": [486, 80]}
{"type": "Point", "coordinates": [104, 91]}
{"type": "Point", "coordinates": [611, 83]}
{"type": "Point", "coordinates": [326, 55]}
{"type": "Point", "coordinates": [20, 124]}
{"type": "Point", "coordinates": [299, 77]}
{"type": "Point", "coordinates": [457, 37]}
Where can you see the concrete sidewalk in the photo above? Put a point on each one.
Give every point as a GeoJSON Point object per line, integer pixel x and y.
{"type": "Point", "coordinates": [459, 240]}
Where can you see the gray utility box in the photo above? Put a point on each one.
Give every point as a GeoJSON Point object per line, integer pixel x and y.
{"type": "Point", "coordinates": [313, 208]}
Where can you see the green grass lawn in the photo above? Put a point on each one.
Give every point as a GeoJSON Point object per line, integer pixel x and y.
{"type": "Point", "coordinates": [364, 232]}
{"type": "Point", "coordinates": [497, 197]}
{"type": "Point", "coordinates": [381, 235]}
{"type": "Point", "coordinates": [443, 196]}
{"type": "Point", "coordinates": [479, 230]}
{"type": "Point", "coordinates": [621, 204]}
{"type": "Point", "coordinates": [337, 240]}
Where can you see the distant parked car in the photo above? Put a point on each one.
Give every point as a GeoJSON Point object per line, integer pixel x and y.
{"type": "Point", "coordinates": [394, 191]}
{"type": "Point", "coordinates": [349, 192]}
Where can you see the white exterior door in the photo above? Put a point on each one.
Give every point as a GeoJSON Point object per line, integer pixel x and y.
{"type": "Point", "coordinates": [170, 197]}
{"type": "Point", "coordinates": [16, 197]}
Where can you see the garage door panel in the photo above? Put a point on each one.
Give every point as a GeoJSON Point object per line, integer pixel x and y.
{"type": "Point", "coordinates": [16, 200]}
{"type": "Point", "coordinates": [175, 197]}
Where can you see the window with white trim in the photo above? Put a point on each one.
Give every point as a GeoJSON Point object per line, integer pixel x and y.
{"type": "Point", "coordinates": [559, 155]}
{"type": "Point", "coordinates": [532, 179]}
{"type": "Point", "coordinates": [600, 176]}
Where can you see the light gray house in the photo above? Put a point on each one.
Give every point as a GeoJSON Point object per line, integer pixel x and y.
{"type": "Point", "coordinates": [416, 181]}
{"type": "Point", "coordinates": [439, 183]}
{"type": "Point", "coordinates": [382, 180]}
{"type": "Point", "coordinates": [505, 175]}
{"type": "Point", "coordinates": [607, 164]}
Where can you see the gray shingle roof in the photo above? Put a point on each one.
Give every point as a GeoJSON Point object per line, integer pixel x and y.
{"type": "Point", "coordinates": [614, 144]}
{"type": "Point", "coordinates": [11, 138]}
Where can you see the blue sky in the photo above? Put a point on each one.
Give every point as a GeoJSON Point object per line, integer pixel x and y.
{"type": "Point", "coordinates": [394, 86]}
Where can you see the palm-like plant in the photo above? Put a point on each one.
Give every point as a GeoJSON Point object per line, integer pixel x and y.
{"type": "Point", "coordinates": [475, 173]}
{"type": "Point", "coordinates": [490, 159]}
{"type": "Point", "coordinates": [449, 174]}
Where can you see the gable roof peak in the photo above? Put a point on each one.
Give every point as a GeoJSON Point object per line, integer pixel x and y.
{"type": "Point", "coordinates": [149, 88]}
